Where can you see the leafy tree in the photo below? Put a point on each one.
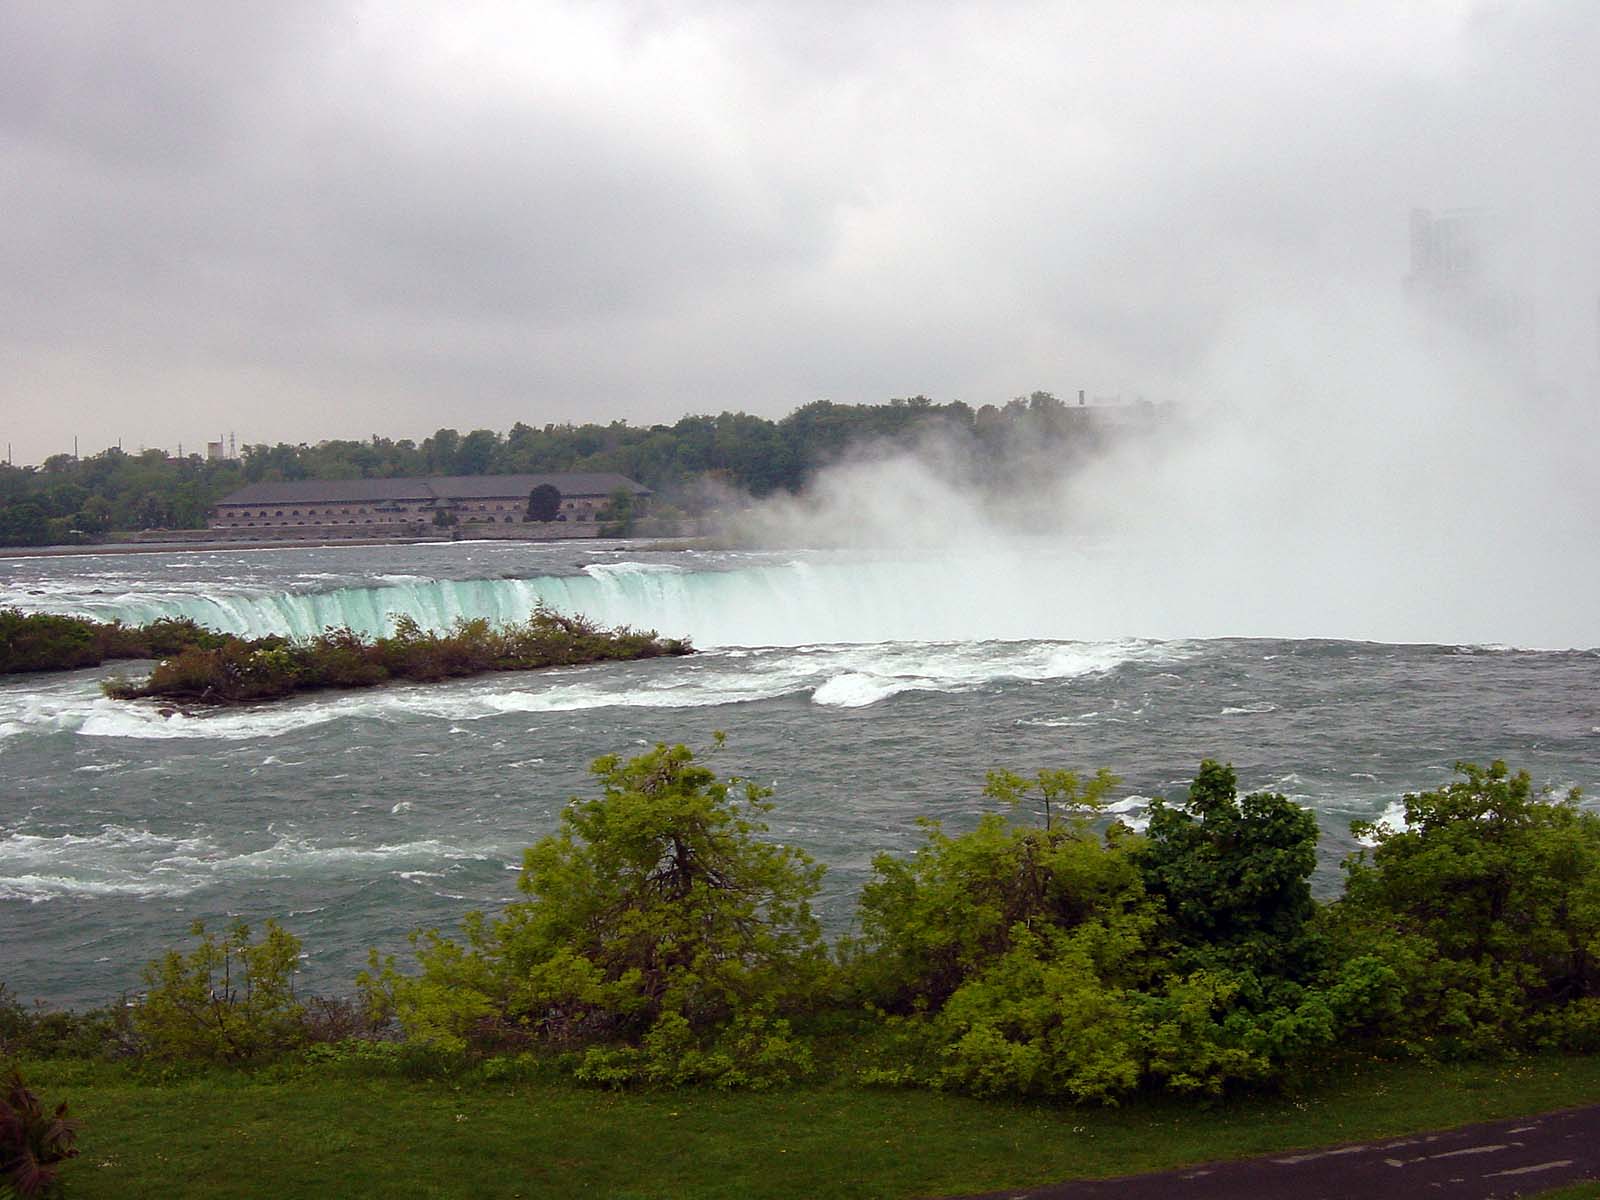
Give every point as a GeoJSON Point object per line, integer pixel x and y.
{"type": "Point", "coordinates": [1062, 961]}
{"type": "Point", "coordinates": [24, 525]}
{"type": "Point", "coordinates": [1234, 875]}
{"type": "Point", "coordinates": [616, 519]}
{"type": "Point", "coordinates": [1487, 906]}
{"type": "Point", "coordinates": [476, 452]}
{"type": "Point", "coordinates": [544, 502]}
{"type": "Point", "coordinates": [661, 935]}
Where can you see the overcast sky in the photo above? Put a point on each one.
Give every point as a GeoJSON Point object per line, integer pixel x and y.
{"type": "Point", "coordinates": [300, 221]}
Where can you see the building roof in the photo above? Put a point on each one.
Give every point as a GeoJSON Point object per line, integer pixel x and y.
{"type": "Point", "coordinates": [300, 491]}
{"type": "Point", "coordinates": [438, 487]}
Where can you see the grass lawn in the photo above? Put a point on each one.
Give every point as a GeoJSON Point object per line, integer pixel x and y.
{"type": "Point", "coordinates": [332, 1132]}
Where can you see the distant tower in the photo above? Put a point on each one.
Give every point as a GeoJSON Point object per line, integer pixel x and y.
{"type": "Point", "coordinates": [1461, 260]}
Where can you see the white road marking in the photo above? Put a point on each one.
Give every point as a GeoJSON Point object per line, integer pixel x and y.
{"type": "Point", "coordinates": [1469, 1150]}
{"type": "Point", "coordinates": [1549, 1166]}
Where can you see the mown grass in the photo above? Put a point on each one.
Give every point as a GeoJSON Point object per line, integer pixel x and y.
{"type": "Point", "coordinates": [329, 1131]}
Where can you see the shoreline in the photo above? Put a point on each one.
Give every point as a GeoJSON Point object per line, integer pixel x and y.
{"type": "Point", "coordinates": [181, 547]}
{"type": "Point", "coordinates": [649, 543]}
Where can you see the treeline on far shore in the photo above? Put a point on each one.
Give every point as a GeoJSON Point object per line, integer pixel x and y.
{"type": "Point", "coordinates": [691, 464]}
{"type": "Point", "coordinates": [663, 940]}
{"type": "Point", "coordinates": [201, 665]}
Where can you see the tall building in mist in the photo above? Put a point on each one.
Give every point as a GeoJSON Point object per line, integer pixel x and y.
{"type": "Point", "coordinates": [1462, 263]}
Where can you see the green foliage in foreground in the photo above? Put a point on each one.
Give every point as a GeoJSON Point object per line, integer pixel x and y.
{"type": "Point", "coordinates": [48, 642]}
{"type": "Point", "coordinates": [1486, 908]}
{"type": "Point", "coordinates": [363, 1131]}
{"type": "Point", "coordinates": [227, 1000]}
{"type": "Point", "coordinates": [662, 939]}
{"type": "Point", "coordinates": [268, 668]}
{"type": "Point", "coordinates": [1064, 961]}
{"type": "Point", "coordinates": [665, 941]}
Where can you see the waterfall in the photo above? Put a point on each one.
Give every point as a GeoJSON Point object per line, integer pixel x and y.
{"type": "Point", "coordinates": [771, 604]}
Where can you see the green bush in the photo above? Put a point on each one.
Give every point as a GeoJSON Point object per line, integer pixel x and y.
{"type": "Point", "coordinates": [1070, 962]}
{"type": "Point", "coordinates": [663, 939]}
{"type": "Point", "coordinates": [62, 1033]}
{"type": "Point", "coordinates": [229, 999]}
{"type": "Point", "coordinates": [48, 642]}
{"type": "Point", "coordinates": [1486, 906]}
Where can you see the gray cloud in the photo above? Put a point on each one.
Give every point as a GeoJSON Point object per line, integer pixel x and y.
{"type": "Point", "coordinates": [307, 220]}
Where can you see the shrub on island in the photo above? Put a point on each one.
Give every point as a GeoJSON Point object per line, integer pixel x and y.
{"type": "Point", "coordinates": [268, 668]}
{"type": "Point", "coordinates": [50, 642]}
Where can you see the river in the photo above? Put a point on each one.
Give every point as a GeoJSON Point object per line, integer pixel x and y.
{"type": "Point", "coordinates": [867, 690]}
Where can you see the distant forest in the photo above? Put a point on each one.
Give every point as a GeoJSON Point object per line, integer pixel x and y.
{"type": "Point", "coordinates": [690, 464]}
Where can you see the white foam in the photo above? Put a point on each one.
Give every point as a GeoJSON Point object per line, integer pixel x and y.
{"type": "Point", "coordinates": [295, 856]}
{"type": "Point", "coordinates": [37, 888]}
{"type": "Point", "coordinates": [847, 675]}
{"type": "Point", "coordinates": [1250, 709]}
{"type": "Point", "coordinates": [121, 861]}
{"type": "Point", "coordinates": [1392, 819]}
{"type": "Point", "coordinates": [857, 690]}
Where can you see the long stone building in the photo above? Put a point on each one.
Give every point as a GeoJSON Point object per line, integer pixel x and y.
{"type": "Point", "coordinates": [476, 505]}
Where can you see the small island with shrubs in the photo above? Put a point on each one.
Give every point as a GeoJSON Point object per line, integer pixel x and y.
{"type": "Point", "coordinates": [269, 668]}
{"type": "Point", "coordinates": [203, 666]}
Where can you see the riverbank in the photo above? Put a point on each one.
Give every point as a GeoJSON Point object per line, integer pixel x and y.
{"type": "Point", "coordinates": [211, 546]}
{"type": "Point", "coordinates": [208, 545]}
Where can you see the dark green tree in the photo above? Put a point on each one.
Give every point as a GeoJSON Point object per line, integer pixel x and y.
{"type": "Point", "coordinates": [616, 519]}
{"type": "Point", "coordinates": [1234, 875]}
{"type": "Point", "coordinates": [544, 502]}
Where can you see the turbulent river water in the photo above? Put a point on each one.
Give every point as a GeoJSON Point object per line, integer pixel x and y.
{"type": "Point", "coordinates": [867, 690]}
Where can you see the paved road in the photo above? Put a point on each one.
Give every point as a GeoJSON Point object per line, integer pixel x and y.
{"type": "Point", "coordinates": [1493, 1161]}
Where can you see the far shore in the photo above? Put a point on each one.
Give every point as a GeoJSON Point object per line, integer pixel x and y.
{"type": "Point", "coordinates": [230, 544]}
{"type": "Point", "coordinates": [306, 544]}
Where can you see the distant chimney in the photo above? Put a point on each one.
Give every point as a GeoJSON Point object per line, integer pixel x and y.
{"type": "Point", "coordinates": [1080, 397]}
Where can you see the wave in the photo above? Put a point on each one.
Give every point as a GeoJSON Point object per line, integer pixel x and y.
{"type": "Point", "coordinates": [123, 861]}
